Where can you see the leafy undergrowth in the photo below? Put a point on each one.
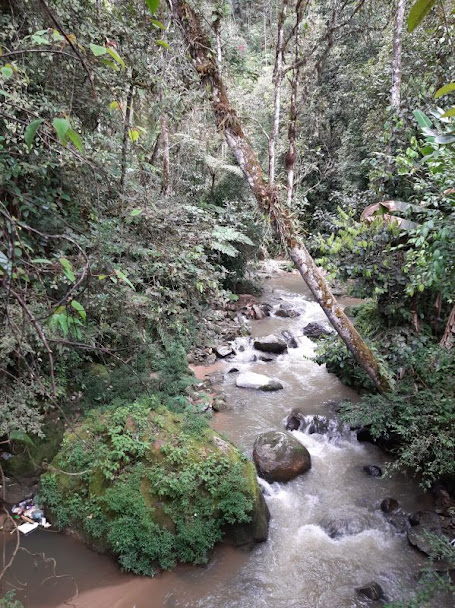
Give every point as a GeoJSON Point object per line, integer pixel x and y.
{"type": "Point", "coordinates": [150, 486]}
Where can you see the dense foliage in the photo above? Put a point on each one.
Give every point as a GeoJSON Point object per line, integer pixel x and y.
{"type": "Point", "coordinates": [151, 487]}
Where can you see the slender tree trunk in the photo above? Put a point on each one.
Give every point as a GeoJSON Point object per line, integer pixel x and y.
{"type": "Point", "coordinates": [126, 128]}
{"type": "Point", "coordinates": [447, 338]}
{"type": "Point", "coordinates": [278, 80]}
{"type": "Point", "coordinates": [292, 127]}
{"type": "Point", "coordinates": [267, 197]}
{"type": "Point", "coordinates": [165, 186]}
{"type": "Point", "coordinates": [395, 93]}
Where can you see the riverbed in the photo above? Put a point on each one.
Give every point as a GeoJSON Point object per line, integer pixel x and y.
{"type": "Point", "coordinates": [327, 532]}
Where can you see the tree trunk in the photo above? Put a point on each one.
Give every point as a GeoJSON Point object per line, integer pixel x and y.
{"type": "Point", "coordinates": [278, 79]}
{"type": "Point", "coordinates": [267, 196]}
{"type": "Point", "coordinates": [447, 338]}
{"type": "Point", "coordinates": [395, 93]}
{"type": "Point", "coordinates": [126, 128]}
{"type": "Point", "coordinates": [292, 127]}
{"type": "Point", "coordinates": [165, 187]}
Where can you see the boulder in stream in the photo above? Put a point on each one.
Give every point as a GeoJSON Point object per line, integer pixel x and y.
{"type": "Point", "coordinates": [171, 490]}
{"type": "Point", "coordinates": [270, 344]}
{"type": "Point", "coordinates": [258, 382]}
{"type": "Point", "coordinates": [373, 591]}
{"type": "Point", "coordinates": [315, 331]}
{"type": "Point", "coordinates": [278, 456]}
{"type": "Point", "coordinates": [424, 524]}
{"type": "Point", "coordinates": [223, 350]}
{"type": "Point", "coordinates": [286, 312]}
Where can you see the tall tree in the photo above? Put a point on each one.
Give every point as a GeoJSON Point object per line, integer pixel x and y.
{"type": "Point", "coordinates": [266, 195]}
{"type": "Point", "coordinates": [395, 93]}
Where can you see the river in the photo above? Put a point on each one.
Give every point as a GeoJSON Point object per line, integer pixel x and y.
{"type": "Point", "coordinates": [327, 533]}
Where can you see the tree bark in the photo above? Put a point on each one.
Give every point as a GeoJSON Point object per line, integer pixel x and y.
{"type": "Point", "coordinates": [126, 128]}
{"type": "Point", "coordinates": [395, 93]}
{"type": "Point", "coordinates": [292, 127]}
{"type": "Point", "coordinates": [267, 196]}
{"type": "Point", "coordinates": [165, 186]}
{"type": "Point", "coordinates": [447, 338]}
{"type": "Point", "coordinates": [278, 79]}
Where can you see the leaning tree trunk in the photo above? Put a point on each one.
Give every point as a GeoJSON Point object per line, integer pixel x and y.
{"type": "Point", "coordinates": [267, 196]}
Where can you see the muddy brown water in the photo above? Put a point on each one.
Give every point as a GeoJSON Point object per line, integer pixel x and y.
{"type": "Point", "coordinates": [300, 565]}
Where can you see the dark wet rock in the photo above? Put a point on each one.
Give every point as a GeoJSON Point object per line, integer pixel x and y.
{"type": "Point", "coordinates": [373, 591]}
{"type": "Point", "coordinates": [339, 527]}
{"type": "Point", "coordinates": [278, 456]}
{"type": "Point", "coordinates": [388, 505]}
{"type": "Point", "coordinates": [372, 470]}
{"type": "Point", "coordinates": [286, 312]}
{"type": "Point", "coordinates": [388, 444]}
{"type": "Point", "coordinates": [270, 344]}
{"type": "Point", "coordinates": [394, 515]}
{"type": "Point", "coordinates": [289, 338]}
{"type": "Point", "coordinates": [266, 358]}
{"type": "Point", "coordinates": [294, 420]}
{"type": "Point", "coordinates": [322, 425]}
{"type": "Point", "coordinates": [233, 370]}
{"type": "Point", "coordinates": [315, 331]}
{"type": "Point", "coordinates": [223, 350]}
{"type": "Point", "coordinates": [424, 524]}
{"type": "Point", "coordinates": [258, 382]}
{"type": "Point", "coordinates": [255, 531]}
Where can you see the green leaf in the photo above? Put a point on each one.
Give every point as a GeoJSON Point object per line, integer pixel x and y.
{"type": "Point", "coordinates": [116, 57]}
{"type": "Point", "coordinates": [447, 88]}
{"type": "Point", "coordinates": [158, 24]}
{"type": "Point", "coordinates": [445, 139]}
{"type": "Point", "coordinates": [162, 43]}
{"type": "Point", "coordinates": [76, 139]}
{"type": "Point", "coordinates": [114, 105]}
{"type": "Point", "coordinates": [135, 212]}
{"type": "Point", "coordinates": [153, 5]}
{"type": "Point", "coordinates": [122, 276]}
{"type": "Point", "coordinates": [6, 71]}
{"type": "Point", "coordinates": [22, 437]}
{"type": "Point", "coordinates": [57, 37]}
{"type": "Point", "coordinates": [39, 39]}
{"type": "Point", "coordinates": [79, 309]}
{"type": "Point", "coordinates": [62, 126]}
{"type": "Point", "coordinates": [30, 131]}
{"type": "Point", "coordinates": [98, 50]}
{"type": "Point", "coordinates": [133, 134]}
{"type": "Point", "coordinates": [68, 269]}
{"type": "Point", "coordinates": [422, 119]}
{"type": "Point", "coordinates": [449, 113]}
{"type": "Point", "coordinates": [418, 12]}
{"type": "Point", "coordinates": [41, 261]}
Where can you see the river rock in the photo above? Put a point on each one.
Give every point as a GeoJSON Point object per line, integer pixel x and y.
{"type": "Point", "coordinates": [223, 350]}
{"type": "Point", "coordinates": [278, 456]}
{"type": "Point", "coordinates": [373, 591]}
{"type": "Point", "coordinates": [373, 471]}
{"type": "Point", "coordinates": [270, 344]}
{"type": "Point", "coordinates": [289, 338]}
{"type": "Point", "coordinates": [388, 505]}
{"type": "Point", "coordinates": [423, 524]}
{"type": "Point", "coordinates": [294, 420]}
{"type": "Point", "coordinates": [258, 382]}
{"type": "Point", "coordinates": [315, 331]}
{"type": "Point", "coordinates": [286, 312]}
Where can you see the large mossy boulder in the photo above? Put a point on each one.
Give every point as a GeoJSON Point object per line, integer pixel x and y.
{"type": "Point", "coordinates": [153, 487]}
{"type": "Point", "coordinates": [278, 456]}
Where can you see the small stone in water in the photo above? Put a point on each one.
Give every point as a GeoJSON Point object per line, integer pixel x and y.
{"type": "Point", "coordinates": [372, 591]}
{"type": "Point", "coordinates": [372, 470]}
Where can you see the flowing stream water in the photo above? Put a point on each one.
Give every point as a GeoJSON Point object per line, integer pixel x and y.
{"type": "Point", "coordinates": [327, 533]}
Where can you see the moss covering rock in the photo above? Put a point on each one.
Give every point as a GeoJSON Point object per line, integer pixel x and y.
{"type": "Point", "coordinates": [152, 487]}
